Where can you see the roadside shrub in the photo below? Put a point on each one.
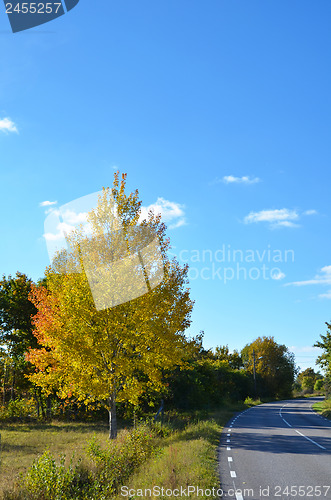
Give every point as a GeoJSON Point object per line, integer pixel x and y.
{"type": "Point", "coordinates": [252, 402]}
{"type": "Point", "coordinates": [47, 480]}
{"type": "Point", "coordinates": [115, 463]}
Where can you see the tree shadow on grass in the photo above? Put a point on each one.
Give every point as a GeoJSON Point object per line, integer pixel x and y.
{"type": "Point", "coordinates": [84, 428]}
{"type": "Point", "coordinates": [18, 448]}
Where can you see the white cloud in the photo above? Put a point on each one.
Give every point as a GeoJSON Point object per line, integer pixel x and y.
{"type": "Point", "coordinates": [7, 125]}
{"type": "Point", "coordinates": [278, 276]}
{"type": "Point", "coordinates": [305, 348]}
{"type": "Point", "coordinates": [47, 203]}
{"type": "Point", "coordinates": [171, 212]}
{"type": "Point", "coordinates": [310, 212]}
{"type": "Point", "coordinates": [323, 278]}
{"type": "Point", "coordinates": [71, 217]}
{"type": "Point", "coordinates": [285, 223]}
{"type": "Point", "coordinates": [62, 221]}
{"type": "Point", "coordinates": [231, 179]}
{"type": "Point", "coordinates": [70, 220]}
{"type": "Point", "coordinates": [180, 223]}
{"type": "Point", "coordinates": [326, 295]}
{"type": "Point", "coordinates": [283, 217]}
{"type": "Point", "coordinates": [276, 218]}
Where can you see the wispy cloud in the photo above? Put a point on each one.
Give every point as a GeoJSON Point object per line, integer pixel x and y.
{"type": "Point", "coordinates": [322, 278]}
{"type": "Point", "coordinates": [326, 295]}
{"type": "Point", "coordinates": [305, 348]}
{"type": "Point", "coordinates": [277, 218]}
{"type": "Point", "coordinates": [278, 276]}
{"type": "Point", "coordinates": [171, 212]}
{"type": "Point", "coordinates": [305, 355]}
{"type": "Point", "coordinates": [47, 203]}
{"type": "Point", "coordinates": [231, 179]}
{"type": "Point", "coordinates": [310, 212]}
{"type": "Point", "coordinates": [7, 125]}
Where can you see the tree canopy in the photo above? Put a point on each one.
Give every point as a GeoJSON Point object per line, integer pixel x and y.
{"type": "Point", "coordinates": [109, 354]}
{"type": "Point", "coordinates": [16, 311]}
{"type": "Point", "coordinates": [274, 366]}
{"type": "Point", "coordinates": [324, 360]}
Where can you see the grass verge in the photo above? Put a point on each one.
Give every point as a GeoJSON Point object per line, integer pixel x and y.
{"type": "Point", "coordinates": [324, 408]}
{"type": "Point", "coordinates": [186, 457]}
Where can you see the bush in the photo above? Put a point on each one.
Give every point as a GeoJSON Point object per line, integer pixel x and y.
{"type": "Point", "coordinates": [18, 409]}
{"type": "Point", "coordinates": [252, 402]}
{"type": "Point", "coordinates": [46, 479]}
{"type": "Point", "coordinates": [319, 384]}
{"type": "Point", "coordinates": [115, 463]}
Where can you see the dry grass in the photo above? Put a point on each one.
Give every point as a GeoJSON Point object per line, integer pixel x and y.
{"type": "Point", "coordinates": [22, 443]}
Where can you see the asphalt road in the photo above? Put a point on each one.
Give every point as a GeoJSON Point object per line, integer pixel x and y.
{"type": "Point", "coordinates": [278, 451]}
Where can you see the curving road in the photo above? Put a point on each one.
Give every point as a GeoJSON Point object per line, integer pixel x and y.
{"type": "Point", "coordinates": [278, 451]}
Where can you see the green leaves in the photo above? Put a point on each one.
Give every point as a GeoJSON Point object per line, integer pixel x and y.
{"type": "Point", "coordinates": [324, 360]}
{"type": "Point", "coordinates": [16, 311]}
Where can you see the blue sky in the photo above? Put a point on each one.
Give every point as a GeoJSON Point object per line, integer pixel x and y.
{"type": "Point", "coordinates": [220, 114]}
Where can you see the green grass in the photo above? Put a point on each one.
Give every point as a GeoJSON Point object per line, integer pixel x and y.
{"type": "Point", "coordinates": [324, 408]}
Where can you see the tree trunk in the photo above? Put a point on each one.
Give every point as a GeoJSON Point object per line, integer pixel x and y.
{"type": "Point", "coordinates": [112, 417]}
{"type": "Point", "coordinates": [37, 402]}
{"type": "Point", "coordinates": [49, 407]}
{"type": "Point", "coordinates": [12, 385]}
{"type": "Point", "coordinates": [43, 414]}
{"type": "Point", "coordinates": [4, 383]}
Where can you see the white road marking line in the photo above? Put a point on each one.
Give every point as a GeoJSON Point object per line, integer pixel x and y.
{"type": "Point", "coordinates": [320, 446]}
{"type": "Point", "coordinates": [281, 416]}
{"type": "Point", "coordinates": [232, 473]}
{"type": "Point", "coordinates": [239, 496]}
{"type": "Point", "coordinates": [298, 432]}
{"type": "Point", "coordinates": [228, 435]}
{"type": "Point", "coordinates": [228, 448]}
{"type": "Point", "coordinates": [230, 459]}
{"type": "Point", "coordinates": [286, 422]}
{"type": "Point", "coordinates": [228, 440]}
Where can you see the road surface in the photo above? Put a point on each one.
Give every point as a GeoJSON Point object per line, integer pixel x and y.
{"type": "Point", "coordinates": [278, 451]}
